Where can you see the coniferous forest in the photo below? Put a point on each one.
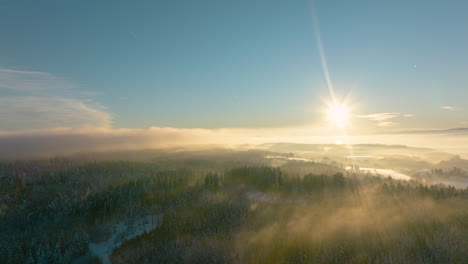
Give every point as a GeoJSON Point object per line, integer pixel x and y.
{"type": "Point", "coordinates": [221, 210]}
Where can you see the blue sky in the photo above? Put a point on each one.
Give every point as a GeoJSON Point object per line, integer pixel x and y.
{"type": "Point", "coordinates": [231, 64]}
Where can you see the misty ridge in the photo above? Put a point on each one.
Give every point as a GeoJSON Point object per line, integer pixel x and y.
{"type": "Point", "coordinates": [275, 203]}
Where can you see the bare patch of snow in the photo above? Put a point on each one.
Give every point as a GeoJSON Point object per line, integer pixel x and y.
{"type": "Point", "coordinates": [122, 232]}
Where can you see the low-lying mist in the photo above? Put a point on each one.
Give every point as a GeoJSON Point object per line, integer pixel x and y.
{"type": "Point", "coordinates": [66, 141]}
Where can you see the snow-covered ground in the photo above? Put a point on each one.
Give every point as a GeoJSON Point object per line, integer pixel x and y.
{"type": "Point", "coordinates": [122, 232]}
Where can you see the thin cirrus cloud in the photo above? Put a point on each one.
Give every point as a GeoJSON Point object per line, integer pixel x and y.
{"type": "Point", "coordinates": [385, 119]}
{"type": "Point", "coordinates": [31, 81]}
{"type": "Point", "coordinates": [387, 124]}
{"type": "Point", "coordinates": [42, 100]}
{"type": "Point", "coordinates": [30, 112]}
{"type": "Point", "coordinates": [448, 108]}
{"type": "Point", "coordinates": [379, 116]}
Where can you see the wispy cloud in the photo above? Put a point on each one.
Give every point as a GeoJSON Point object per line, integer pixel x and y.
{"type": "Point", "coordinates": [448, 108]}
{"type": "Point", "coordinates": [42, 100]}
{"type": "Point", "coordinates": [3, 70]}
{"type": "Point", "coordinates": [31, 81]}
{"type": "Point", "coordinates": [383, 119]}
{"type": "Point", "coordinates": [28, 112]}
{"type": "Point", "coordinates": [387, 124]}
{"type": "Point", "coordinates": [379, 116]}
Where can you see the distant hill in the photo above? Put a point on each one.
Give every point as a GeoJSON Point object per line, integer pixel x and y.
{"type": "Point", "coordinates": [454, 162]}
{"type": "Point", "coordinates": [452, 131]}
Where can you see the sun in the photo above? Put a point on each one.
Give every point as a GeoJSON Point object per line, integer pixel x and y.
{"type": "Point", "coordinates": [338, 114]}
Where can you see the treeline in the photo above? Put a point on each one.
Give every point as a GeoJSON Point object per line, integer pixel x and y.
{"type": "Point", "coordinates": [273, 178]}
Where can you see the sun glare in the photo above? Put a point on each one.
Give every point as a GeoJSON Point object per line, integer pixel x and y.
{"type": "Point", "coordinates": [338, 114]}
